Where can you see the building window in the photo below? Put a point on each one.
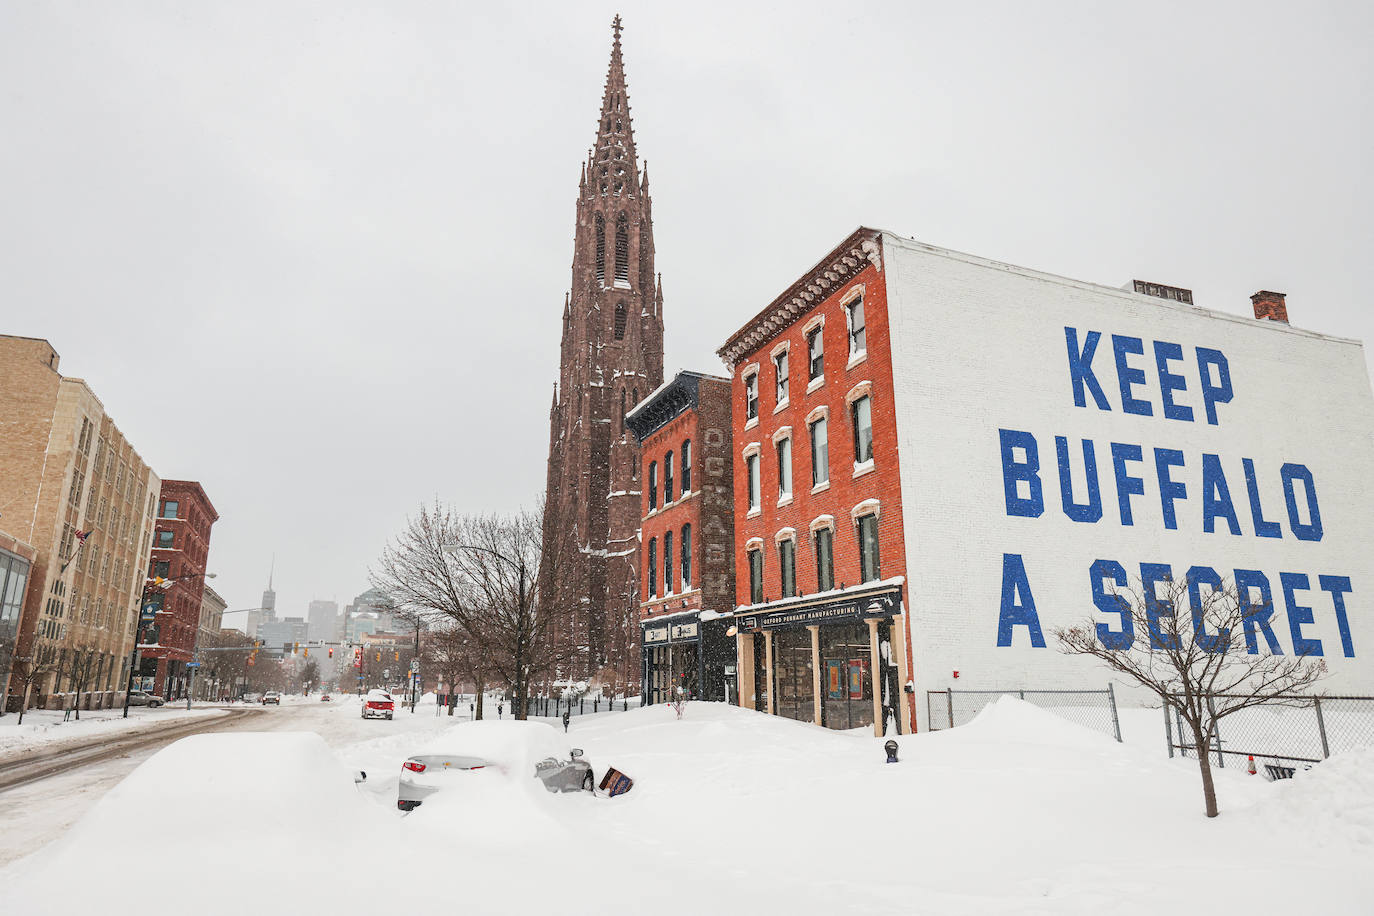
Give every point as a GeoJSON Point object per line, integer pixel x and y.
{"type": "Point", "coordinates": [686, 466]}
{"type": "Point", "coordinates": [164, 539]}
{"type": "Point", "coordinates": [620, 321]}
{"type": "Point", "coordinates": [622, 249]}
{"type": "Point", "coordinates": [815, 351]}
{"type": "Point", "coordinates": [752, 464]}
{"type": "Point", "coordinates": [622, 410]}
{"type": "Point", "coordinates": [784, 467]}
{"type": "Point", "coordinates": [653, 485]}
{"type": "Point", "coordinates": [169, 508]}
{"type": "Point", "coordinates": [600, 249]}
{"type": "Point", "coordinates": [686, 549]}
{"type": "Point", "coordinates": [780, 370]}
{"type": "Point", "coordinates": [751, 396]}
{"type": "Point", "coordinates": [667, 478]}
{"type": "Point", "coordinates": [820, 452]}
{"type": "Point", "coordinates": [858, 338]}
{"type": "Point", "coordinates": [825, 559]}
{"type": "Point", "coordinates": [667, 563]}
{"type": "Point", "coordinates": [861, 412]}
{"type": "Point", "coordinates": [868, 548]}
{"type": "Point", "coordinates": [161, 568]}
{"type": "Point", "coordinates": [787, 567]}
{"type": "Point", "coordinates": [653, 567]}
{"type": "Point", "coordinates": [756, 576]}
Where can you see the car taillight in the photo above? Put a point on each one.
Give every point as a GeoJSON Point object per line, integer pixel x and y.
{"type": "Point", "coordinates": [413, 766]}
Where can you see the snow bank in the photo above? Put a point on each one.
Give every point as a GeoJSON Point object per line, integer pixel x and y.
{"type": "Point", "coordinates": [1333, 802]}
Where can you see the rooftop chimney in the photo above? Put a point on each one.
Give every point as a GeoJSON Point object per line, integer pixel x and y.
{"type": "Point", "coordinates": [1270, 305]}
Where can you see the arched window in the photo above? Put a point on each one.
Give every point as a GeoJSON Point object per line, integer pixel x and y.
{"type": "Point", "coordinates": [622, 247]}
{"type": "Point", "coordinates": [622, 410]}
{"type": "Point", "coordinates": [620, 321]}
{"type": "Point", "coordinates": [686, 472]}
{"type": "Point", "coordinates": [653, 485]}
{"type": "Point", "coordinates": [600, 249]}
{"type": "Point", "coordinates": [667, 478]}
{"type": "Point", "coordinates": [686, 549]}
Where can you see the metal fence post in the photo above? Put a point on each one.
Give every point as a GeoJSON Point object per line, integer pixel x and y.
{"type": "Point", "coordinates": [949, 695]}
{"type": "Point", "coordinates": [1321, 727]}
{"type": "Point", "coordinates": [1116, 722]}
{"type": "Point", "coordinates": [1211, 708]}
{"type": "Point", "coordinates": [1168, 731]}
{"type": "Point", "coordinates": [930, 716]}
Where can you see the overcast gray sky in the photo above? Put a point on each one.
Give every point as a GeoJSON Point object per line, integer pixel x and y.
{"type": "Point", "coordinates": [314, 254]}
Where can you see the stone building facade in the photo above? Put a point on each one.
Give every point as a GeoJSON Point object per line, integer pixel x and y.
{"type": "Point", "coordinates": [181, 549]}
{"type": "Point", "coordinates": [76, 490]}
{"type": "Point", "coordinates": [611, 356]}
{"type": "Point", "coordinates": [687, 572]}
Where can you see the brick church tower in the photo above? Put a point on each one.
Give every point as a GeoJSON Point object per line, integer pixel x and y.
{"type": "Point", "coordinates": [612, 356]}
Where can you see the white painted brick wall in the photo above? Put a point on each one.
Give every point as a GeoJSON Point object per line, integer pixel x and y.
{"type": "Point", "coordinates": [979, 345]}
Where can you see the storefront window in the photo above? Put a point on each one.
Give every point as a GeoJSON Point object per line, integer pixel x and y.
{"type": "Point", "coordinates": [794, 678]}
{"type": "Point", "coordinates": [846, 680]}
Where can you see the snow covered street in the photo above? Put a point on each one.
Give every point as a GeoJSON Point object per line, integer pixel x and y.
{"type": "Point", "coordinates": [732, 811]}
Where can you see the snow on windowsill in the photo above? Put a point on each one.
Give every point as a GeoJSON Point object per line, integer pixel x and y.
{"type": "Point", "coordinates": [856, 358]}
{"type": "Point", "coordinates": [866, 467]}
{"type": "Point", "coordinates": [820, 487]}
{"type": "Point", "coordinates": [784, 500]}
{"type": "Point", "coordinates": [781, 405]}
{"type": "Point", "coordinates": [751, 422]}
{"type": "Point", "coordinates": [815, 384]}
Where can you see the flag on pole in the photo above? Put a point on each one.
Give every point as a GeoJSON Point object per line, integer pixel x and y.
{"type": "Point", "coordinates": [80, 540]}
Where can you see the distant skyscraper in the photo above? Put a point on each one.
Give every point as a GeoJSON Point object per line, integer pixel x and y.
{"type": "Point", "coordinates": [269, 597]}
{"type": "Point", "coordinates": [324, 621]}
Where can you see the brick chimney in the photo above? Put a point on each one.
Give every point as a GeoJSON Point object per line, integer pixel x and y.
{"type": "Point", "coordinates": [1270, 305]}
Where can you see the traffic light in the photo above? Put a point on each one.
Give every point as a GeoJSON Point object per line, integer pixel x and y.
{"type": "Point", "coordinates": [379, 655]}
{"type": "Point", "coordinates": [252, 660]}
{"type": "Point", "coordinates": [307, 652]}
{"type": "Point", "coordinates": [331, 652]}
{"type": "Point", "coordinates": [294, 647]}
{"type": "Point", "coordinates": [398, 655]}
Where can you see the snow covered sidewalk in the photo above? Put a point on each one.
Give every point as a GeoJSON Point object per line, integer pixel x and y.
{"type": "Point", "coordinates": [736, 812]}
{"type": "Point", "coordinates": [45, 729]}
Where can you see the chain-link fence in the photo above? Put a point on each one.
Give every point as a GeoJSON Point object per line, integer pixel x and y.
{"type": "Point", "coordinates": [1291, 732]}
{"type": "Point", "coordinates": [1095, 709]}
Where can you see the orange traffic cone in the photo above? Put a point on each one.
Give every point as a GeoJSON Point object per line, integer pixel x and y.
{"type": "Point", "coordinates": [1251, 768]}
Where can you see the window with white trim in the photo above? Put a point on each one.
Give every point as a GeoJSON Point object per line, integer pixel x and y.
{"type": "Point", "coordinates": [820, 452]}
{"type": "Point", "coordinates": [751, 463]}
{"type": "Point", "coordinates": [780, 372]}
{"type": "Point", "coordinates": [653, 485]}
{"type": "Point", "coordinates": [854, 315]}
{"type": "Point", "coordinates": [686, 466]}
{"type": "Point", "coordinates": [756, 575]}
{"type": "Point", "coordinates": [815, 353]}
{"type": "Point", "coordinates": [784, 446]}
{"type": "Point", "coordinates": [825, 558]}
{"type": "Point", "coordinates": [686, 551]}
{"type": "Point", "coordinates": [861, 415]}
{"type": "Point", "coordinates": [751, 396]}
{"type": "Point", "coordinates": [667, 562]}
{"type": "Point", "coordinates": [787, 566]}
{"type": "Point", "coordinates": [667, 478]}
{"type": "Point", "coordinates": [653, 567]}
{"type": "Point", "coordinates": [868, 547]}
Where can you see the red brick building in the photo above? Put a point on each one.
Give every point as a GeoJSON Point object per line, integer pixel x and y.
{"type": "Point", "coordinates": [611, 356]}
{"type": "Point", "coordinates": [687, 557]}
{"type": "Point", "coordinates": [181, 546]}
{"type": "Point", "coordinates": [821, 631]}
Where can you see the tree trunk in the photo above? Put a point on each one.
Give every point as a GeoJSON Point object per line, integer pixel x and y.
{"type": "Point", "coordinates": [481, 692]}
{"type": "Point", "coordinates": [1204, 764]}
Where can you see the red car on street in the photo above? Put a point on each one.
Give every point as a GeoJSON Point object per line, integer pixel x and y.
{"type": "Point", "coordinates": [378, 705]}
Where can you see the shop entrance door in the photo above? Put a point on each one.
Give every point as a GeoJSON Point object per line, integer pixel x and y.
{"type": "Point", "coordinates": [846, 681]}
{"type": "Point", "coordinates": [760, 673]}
{"type": "Point", "coordinates": [794, 681]}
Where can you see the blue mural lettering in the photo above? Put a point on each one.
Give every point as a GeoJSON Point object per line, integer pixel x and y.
{"type": "Point", "coordinates": [1127, 376]}
{"type": "Point", "coordinates": [1298, 614]}
{"type": "Point", "coordinates": [1264, 529]}
{"type": "Point", "coordinates": [1216, 497]}
{"type": "Point", "coordinates": [1126, 485]}
{"type": "Point", "coordinates": [1169, 382]}
{"type": "Point", "coordinates": [1014, 472]}
{"type": "Point", "coordinates": [1170, 490]}
{"type": "Point", "coordinates": [1218, 392]}
{"type": "Point", "coordinates": [1081, 369]}
{"type": "Point", "coordinates": [1018, 605]}
{"type": "Point", "coordinates": [1091, 511]}
{"type": "Point", "coordinates": [1211, 643]}
{"type": "Point", "coordinates": [1259, 611]}
{"type": "Point", "coordinates": [1100, 573]}
{"type": "Point", "coordinates": [1151, 576]}
{"type": "Point", "coordinates": [1312, 530]}
{"type": "Point", "coordinates": [1339, 587]}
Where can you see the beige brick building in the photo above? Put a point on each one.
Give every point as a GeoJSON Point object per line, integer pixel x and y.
{"type": "Point", "coordinates": [69, 470]}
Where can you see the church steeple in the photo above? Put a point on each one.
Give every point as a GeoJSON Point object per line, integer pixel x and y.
{"type": "Point", "coordinates": [613, 167]}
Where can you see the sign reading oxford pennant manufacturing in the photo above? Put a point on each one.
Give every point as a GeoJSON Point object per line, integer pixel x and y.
{"type": "Point", "coordinates": [882, 604]}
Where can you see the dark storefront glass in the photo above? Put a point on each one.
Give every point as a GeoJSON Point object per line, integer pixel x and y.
{"type": "Point", "coordinates": [14, 575]}
{"type": "Point", "coordinates": [846, 681]}
{"type": "Point", "coordinates": [672, 667]}
{"type": "Point", "coordinates": [793, 678]}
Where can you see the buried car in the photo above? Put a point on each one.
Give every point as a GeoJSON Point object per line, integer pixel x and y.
{"type": "Point", "coordinates": [511, 750]}
{"type": "Point", "coordinates": [378, 704]}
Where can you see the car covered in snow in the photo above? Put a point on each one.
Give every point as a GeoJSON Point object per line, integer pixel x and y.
{"type": "Point", "coordinates": [378, 704]}
{"type": "Point", "coordinates": [325, 698]}
{"type": "Point", "coordinates": [143, 698]}
{"type": "Point", "coordinates": [511, 751]}
{"type": "Point", "coordinates": [272, 697]}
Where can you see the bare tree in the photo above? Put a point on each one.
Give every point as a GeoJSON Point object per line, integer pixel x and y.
{"type": "Point", "coordinates": [28, 672]}
{"type": "Point", "coordinates": [479, 572]}
{"type": "Point", "coordinates": [1196, 644]}
{"type": "Point", "coordinates": [457, 658]}
{"type": "Point", "coordinates": [81, 672]}
{"type": "Point", "coordinates": [310, 676]}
